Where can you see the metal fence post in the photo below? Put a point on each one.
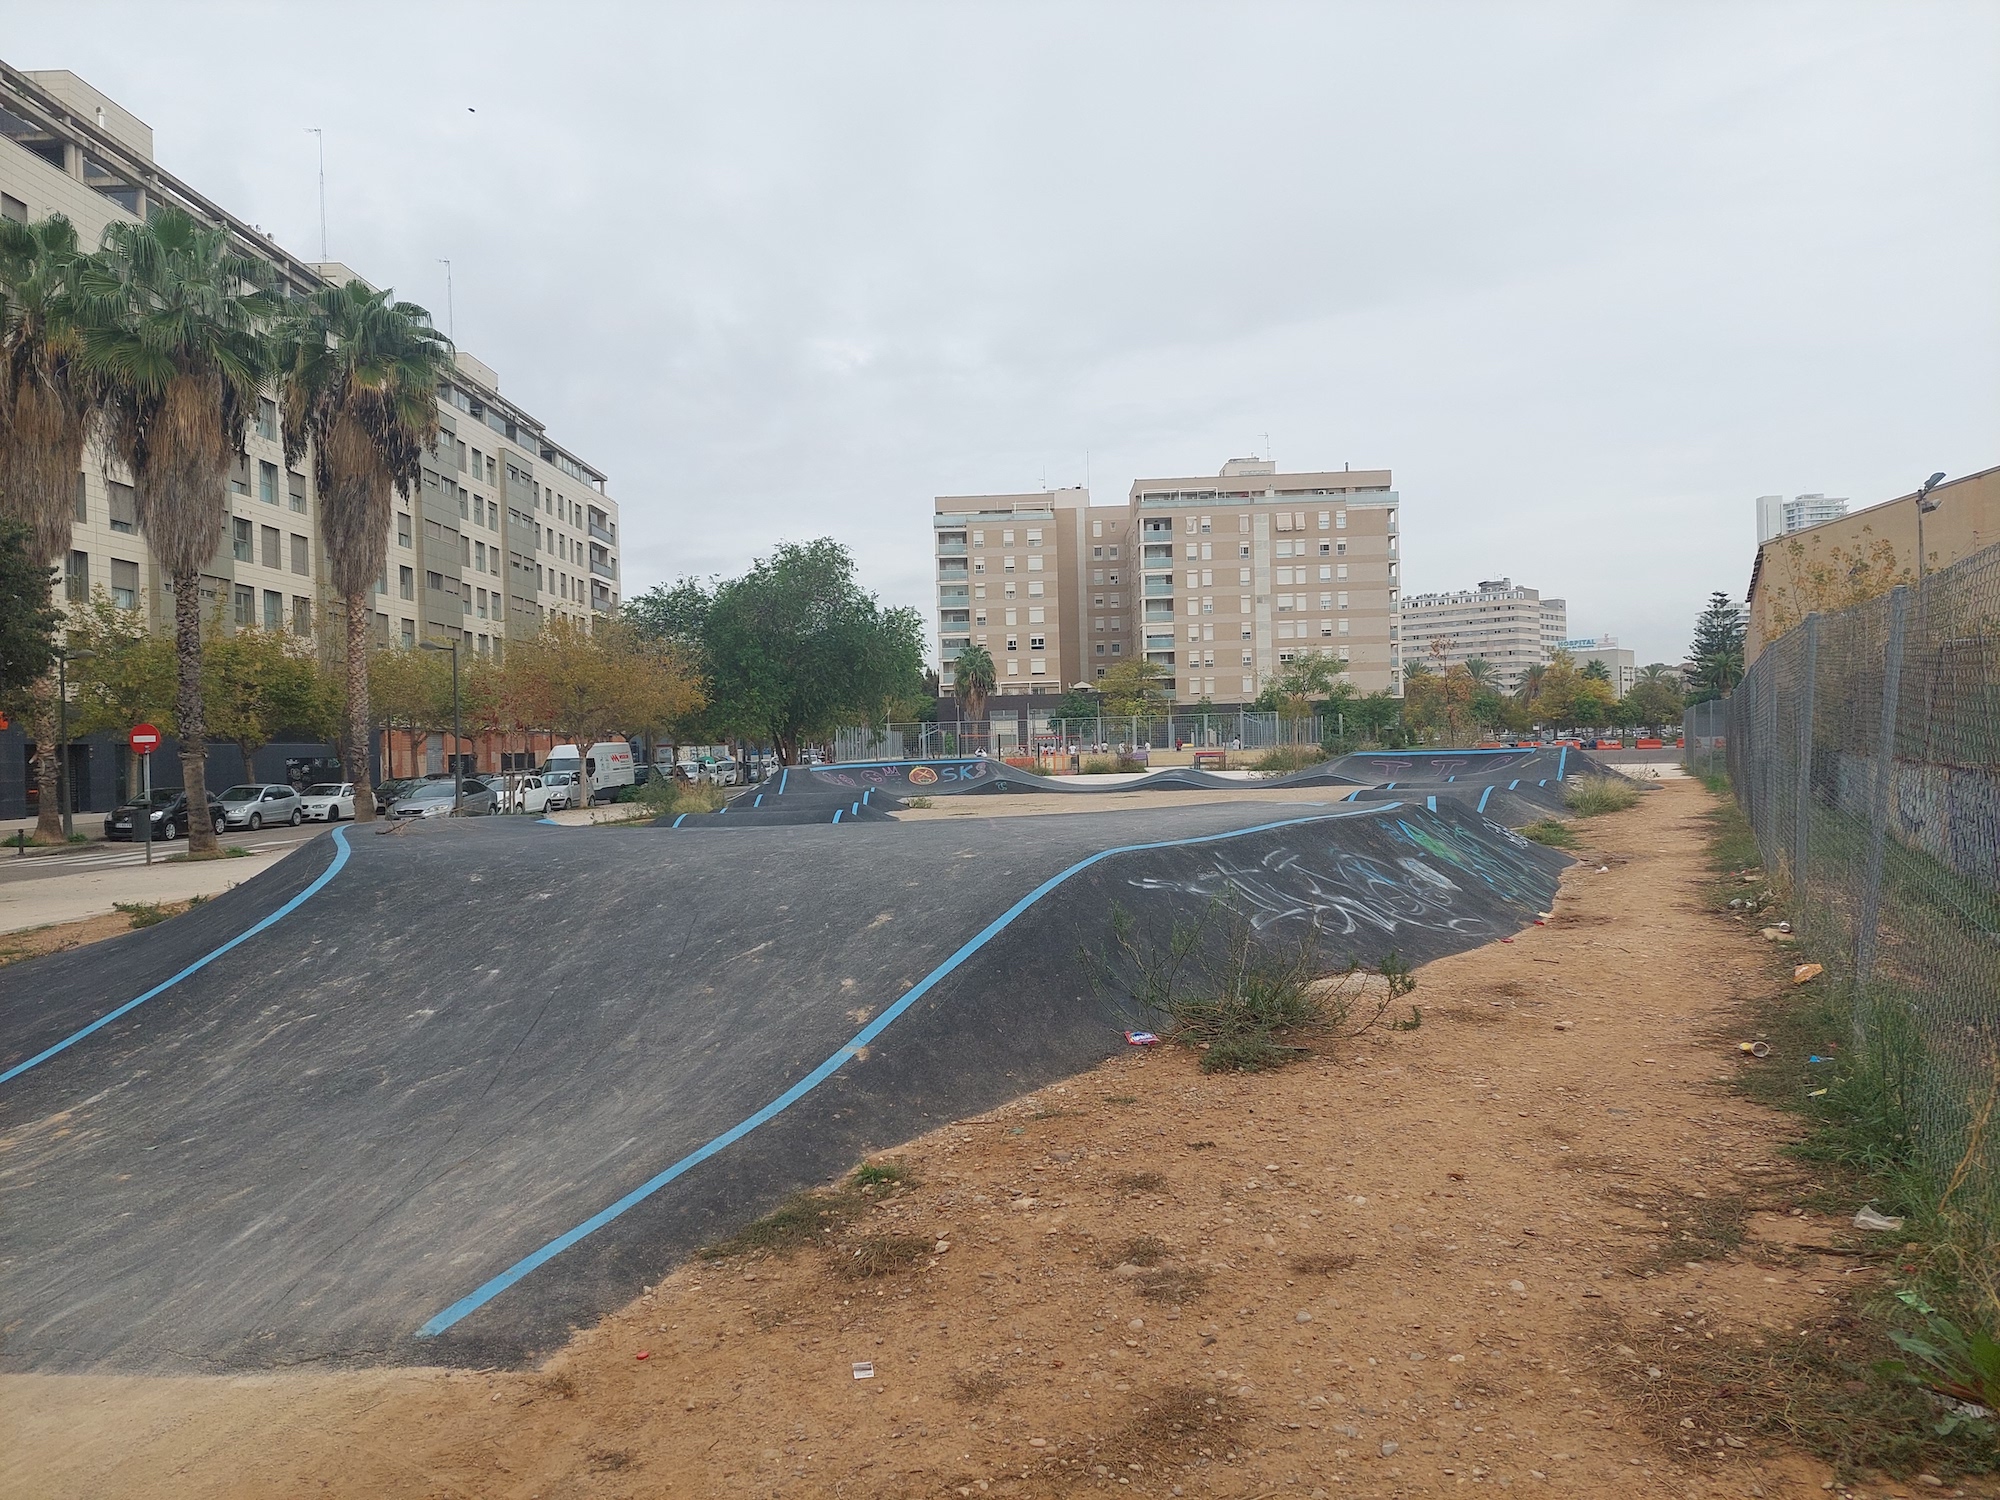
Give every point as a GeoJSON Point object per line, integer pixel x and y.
{"type": "Point", "coordinates": [1802, 812]}
{"type": "Point", "coordinates": [1866, 930]}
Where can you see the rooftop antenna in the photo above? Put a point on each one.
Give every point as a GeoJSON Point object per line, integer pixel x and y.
{"type": "Point", "coordinates": [450, 319]}
{"type": "Point", "coordinates": [320, 136]}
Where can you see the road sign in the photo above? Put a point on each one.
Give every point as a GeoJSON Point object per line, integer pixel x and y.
{"type": "Point", "coordinates": [144, 738]}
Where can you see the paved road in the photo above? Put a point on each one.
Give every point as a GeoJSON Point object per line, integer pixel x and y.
{"type": "Point", "coordinates": [488, 1078]}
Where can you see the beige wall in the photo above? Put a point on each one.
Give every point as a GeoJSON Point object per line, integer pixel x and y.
{"type": "Point", "coordinates": [1842, 562]}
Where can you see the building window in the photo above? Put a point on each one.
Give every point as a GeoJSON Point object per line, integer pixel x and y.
{"type": "Point", "coordinates": [1340, 520]}
{"type": "Point", "coordinates": [302, 615]}
{"type": "Point", "coordinates": [272, 542]}
{"type": "Point", "coordinates": [1037, 643]}
{"type": "Point", "coordinates": [274, 610]}
{"type": "Point", "coordinates": [295, 483]}
{"type": "Point", "coordinates": [1343, 598]}
{"type": "Point", "coordinates": [13, 208]}
{"type": "Point", "coordinates": [1097, 528]}
{"type": "Point", "coordinates": [1097, 551]}
{"type": "Point", "coordinates": [979, 539]}
{"type": "Point", "coordinates": [239, 540]}
{"type": "Point", "coordinates": [1034, 536]}
{"type": "Point", "coordinates": [245, 601]}
{"type": "Point", "coordinates": [124, 508]}
{"type": "Point", "coordinates": [1013, 666]}
{"type": "Point", "coordinates": [406, 582]}
{"type": "Point", "coordinates": [267, 483]}
{"type": "Point", "coordinates": [1115, 648]}
{"type": "Point", "coordinates": [301, 556]}
{"type": "Point", "coordinates": [267, 420]}
{"type": "Point", "coordinates": [76, 578]}
{"type": "Point", "coordinates": [1100, 648]}
{"type": "Point", "coordinates": [1037, 666]}
{"type": "Point", "coordinates": [82, 501]}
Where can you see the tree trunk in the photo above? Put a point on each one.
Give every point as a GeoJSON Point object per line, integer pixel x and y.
{"type": "Point", "coordinates": [48, 816]}
{"type": "Point", "coordinates": [357, 706]}
{"type": "Point", "coordinates": [189, 723]}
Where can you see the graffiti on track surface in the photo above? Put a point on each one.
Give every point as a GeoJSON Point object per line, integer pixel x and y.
{"type": "Point", "coordinates": [920, 775]}
{"type": "Point", "coordinates": [1405, 767]}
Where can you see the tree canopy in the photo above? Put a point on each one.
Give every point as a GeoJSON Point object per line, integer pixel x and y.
{"type": "Point", "coordinates": [27, 620]}
{"type": "Point", "coordinates": [1715, 660]}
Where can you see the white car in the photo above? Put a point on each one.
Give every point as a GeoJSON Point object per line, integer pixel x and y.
{"type": "Point", "coordinates": [328, 801]}
{"type": "Point", "coordinates": [545, 794]}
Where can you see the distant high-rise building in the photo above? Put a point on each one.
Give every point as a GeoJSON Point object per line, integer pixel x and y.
{"type": "Point", "coordinates": [1777, 516]}
{"type": "Point", "coordinates": [1221, 581]}
{"type": "Point", "coordinates": [1508, 627]}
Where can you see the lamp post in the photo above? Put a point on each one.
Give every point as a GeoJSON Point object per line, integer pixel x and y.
{"type": "Point", "coordinates": [1925, 505]}
{"type": "Point", "coordinates": [457, 778]}
{"type": "Point", "coordinates": [64, 657]}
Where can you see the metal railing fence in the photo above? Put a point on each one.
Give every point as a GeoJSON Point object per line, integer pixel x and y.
{"type": "Point", "coordinates": [1103, 734]}
{"type": "Point", "coordinates": [1864, 749]}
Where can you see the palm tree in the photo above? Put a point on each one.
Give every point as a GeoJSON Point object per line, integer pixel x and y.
{"type": "Point", "coordinates": [972, 681]}
{"type": "Point", "coordinates": [170, 316]}
{"type": "Point", "coordinates": [45, 418]}
{"type": "Point", "coordinates": [1480, 670]}
{"type": "Point", "coordinates": [358, 377]}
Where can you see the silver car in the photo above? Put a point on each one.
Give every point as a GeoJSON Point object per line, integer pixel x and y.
{"type": "Point", "coordinates": [256, 803]}
{"type": "Point", "coordinates": [433, 799]}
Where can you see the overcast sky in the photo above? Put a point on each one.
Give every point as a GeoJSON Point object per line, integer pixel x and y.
{"type": "Point", "coordinates": [1587, 277]}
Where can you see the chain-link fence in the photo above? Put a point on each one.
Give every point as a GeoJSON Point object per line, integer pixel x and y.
{"type": "Point", "coordinates": [1864, 747]}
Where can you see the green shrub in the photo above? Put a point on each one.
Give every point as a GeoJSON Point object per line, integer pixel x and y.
{"type": "Point", "coordinates": [1282, 758]}
{"type": "Point", "coordinates": [1551, 831]}
{"type": "Point", "coordinates": [1590, 795]}
{"type": "Point", "coordinates": [1110, 765]}
{"type": "Point", "coordinates": [141, 913]}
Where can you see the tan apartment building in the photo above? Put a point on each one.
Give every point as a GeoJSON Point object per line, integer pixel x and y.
{"type": "Point", "coordinates": [1865, 553]}
{"type": "Point", "coordinates": [1223, 581]}
{"type": "Point", "coordinates": [507, 528]}
{"type": "Point", "coordinates": [1510, 627]}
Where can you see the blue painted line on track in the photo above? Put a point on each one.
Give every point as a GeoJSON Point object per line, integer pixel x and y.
{"type": "Point", "coordinates": [1353, 794]}
{"type": "Point", "coordinates": [760, 800]}
{"type": "Point", "coordinates": [1543, 782]}
{"type": "Point", "coordinates": [1388, 786]}
{"type": "Point", "coordinates": [1451, 778]}
{"type": "Point", "coordinates": [866, 795]}
{"type": "Point", "coordinates": [1561, 761]}
{"type": "Point", "coordinates": [783, 776]}
{"type": "Point", "coordinates": [837, 812]}
{"type": "Point", "coordinates": [1512, 784]}
{"type": "Point", "coordinates": [319, 884]}
{"type": "Point", "coordinates": [1482, 800]}
{"type": "Point", "coordinates": [1431, 803]}
{"type": "Point", "coordinates": [475, 1300]}
{"type": "Point", "coordinates": [854, 811]}
{"type": "Point", "coordinates": [679, 820]}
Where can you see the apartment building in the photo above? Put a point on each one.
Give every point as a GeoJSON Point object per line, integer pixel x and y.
{"type": "Point", "coordinates": [1510, 627]}
{"type": "Point", "coordinates": [1777, 516]}
{"type": "Point", "coordinates": [1222, 581]}
{"type": "Point", "coordinates": [1009, 579]}
{"type": "Point", "coordinates": [1621, 664]}
{"type": "Point", "coordinates": [507, 529]}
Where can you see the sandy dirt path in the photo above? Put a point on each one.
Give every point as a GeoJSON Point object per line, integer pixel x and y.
{"type": "Point", "coordinates": [1432, 1259]}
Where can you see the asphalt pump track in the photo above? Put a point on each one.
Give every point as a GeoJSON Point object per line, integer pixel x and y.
{"type": "Point", "coordinates": [446, 1096]}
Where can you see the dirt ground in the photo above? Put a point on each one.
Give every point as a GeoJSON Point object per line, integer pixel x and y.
{"type": "Point", "coordinates": [59, 937]}
{"type": "Point", "coordinates": [1475, 1253]}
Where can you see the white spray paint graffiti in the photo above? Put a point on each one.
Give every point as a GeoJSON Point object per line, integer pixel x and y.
{"type": "Point", "coordinates": [1352, 893]}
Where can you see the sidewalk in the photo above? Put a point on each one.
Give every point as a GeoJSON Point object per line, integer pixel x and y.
{"type": "Point", "coordinates": [92, 892]}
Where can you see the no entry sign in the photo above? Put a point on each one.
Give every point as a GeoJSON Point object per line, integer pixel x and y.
{"type": "Point", "coordinates": [144, 738]}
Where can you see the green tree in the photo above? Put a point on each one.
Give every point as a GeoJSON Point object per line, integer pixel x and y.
{"type": "Point", "coordinates": [1555, 699]}
{"type": "Point", "coordinates": [1133, 690]}
{"type": "Point", "coordinates": [126, 677]}
{"type": "Point", "coordinates": [1375, 714]}
{"type": "Point", "coordinates": [259, 684]}
{"type": "Point", "coordinates": [357, 382]}
{"type": "Point", "coordinates": [1715, 661]}
{"type": "Point", "coordinates": [593, 685]}
{"type": "Point", "coordinates": [28, 621]}
{"type": "Point", "coordinates": [409, 688]}
{"type": "Point", "coordinates": [169, 315]}
{"type": "Point", "coordinates": [1596, 670]}
{"type": "Point", "coordinates": [1078, 707]}
{"type": "Point", "coordinates": [973, 679]}
{"type": "Point", "coordinates": [46, 412]}
{"type": "Point", "coordinates": [1654, 700]}
{"type": "Point", "coordinates": [1480, 670]}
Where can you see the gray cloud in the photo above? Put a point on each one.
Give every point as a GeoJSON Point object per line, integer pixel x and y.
{"type": "Point", "coordinates": [1588, 277]}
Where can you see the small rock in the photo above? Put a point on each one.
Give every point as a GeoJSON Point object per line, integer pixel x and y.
{"type": "Point", "coordinates": [942, 1246]}
{"type": "Point", "coordinates": [1564, 1025]}
{"type": "Point", "coordinates": [1390, 1448]}
{"type": "Point", "coordinates": [1304, 1317]}
{"type": "Point", "coordinates": [1136, 1324]}
{"type": "Point", "coordinates": [1517, 1286]}
{"type": "Point", "coordinates": [1126, 1270]}
{"type": "Point", "coordinates": [1038, 1442]}
{"type": "Point", "coordinates": [1930, 1479]}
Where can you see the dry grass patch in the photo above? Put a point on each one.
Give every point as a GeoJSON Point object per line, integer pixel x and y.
{"type": "Point", "coordinates": [876, 1255]}
{"type": "Point", "coordinates": [1140, 1182]}
{"type": "Point", "coordinates": [1173, 1285]}
{"type": "Point", "coordinates": [1322, 1262]}
{"type": "Point", "coordinates": [1180, 1422]}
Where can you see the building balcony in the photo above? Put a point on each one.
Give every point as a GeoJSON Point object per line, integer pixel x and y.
{"type": "Point", "coordinates": [949, 593]}
{"type": "Point", "coordinates": [1159, 610]}
{"type": "Point", "coordinates": [599, 533]}
{"type": "Point", "coordinates": [1156, 588]}
{"type": "Point", "coordinates": [1156, 530]}
{"type": "Point", "coordinates": [954, 572]}
{"type": "Point", "coordinates": [1160, 658]}
{"type": "Point", "coordinates": [959, 617]}
{"type": "Point", "coordinates": [603, 570]}
{"type": "Point", "coordinates": [951, 549]}
{"type": "Point", "coordinates": [1160, 557]}
{"type": "Point", "coordinates": [1159, 643]}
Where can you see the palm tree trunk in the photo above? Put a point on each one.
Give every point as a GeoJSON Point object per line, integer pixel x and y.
{"type": "Point", "coordinates": [357, 705]}
{"type": "Point", "coordinates": [48, 816]}
{"type": "Point", "coordinates": [189, 723]}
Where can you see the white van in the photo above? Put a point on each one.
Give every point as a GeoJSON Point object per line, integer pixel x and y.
{"type": "Point", "coordinates": [608, 765]}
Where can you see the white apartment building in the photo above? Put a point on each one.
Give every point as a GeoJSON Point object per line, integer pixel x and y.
{"type": "Point", "coordinates": [1777, 516]}
{"type": "Point", "coordinates": [507, 529]}
{"type": "Point", "coordinates": [1510, 627]}
{"type": "Point", "coordinates": [1622, 666]}
{"type": "Point", "coordinates": [1223, 581]}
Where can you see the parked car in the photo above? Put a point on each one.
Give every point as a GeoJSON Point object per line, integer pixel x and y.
{"type": "Point", "coordinates": [433, 799]}
{"type": "Point", "coordinates": [395, 789]}
{"type": "Point", "coordinates": [497, 785]}
{"type": "Point", "coordinates": [252, 804]}
{"type": "Point", "coordinates": [169, 816]}
{"type": "Point", "coordinates": [544, 794]}
{"type": "Point", "coordinates": [328, 801]}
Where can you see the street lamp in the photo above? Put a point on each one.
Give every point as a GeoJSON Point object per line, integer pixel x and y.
{"type": "Point", "coordinates": [1925, 505]}
{"type": "Point", "coordinates": [64, 656]}
{"type": "Point", "coordinates": [457, 779]}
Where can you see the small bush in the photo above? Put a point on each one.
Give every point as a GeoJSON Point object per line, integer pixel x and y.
{"type": "Point", "coordinates": [1173, 1285]}
{"type": "Point", "coordinates": [802, 1219]}
{"type": "Point", "coordinates": [1282, 758]}
{"type": "Point", "coordinates": [975, 1387]}
{"type": "Point", "coordinates": [1321, 1263]}
{"type": "Point", "coordinates": [1591, 795]}
{"type": "Point", "coordinates": [1551, 831]}
{"type": "Point", "coordinates": [1140, 1182]}
{"type": "Point", "coordinates": [141, 913]}
{"type": "Point", "coordinates": [1110, 765]}
{"type": "Point", "coordinates": [1142, 1250]}
{"type": "Point", "coordinates": [880, 1174]}
{"type": "Point", "coordinates": [880, 1255]}
{"type": "Point", "coordinates": [919, 802]}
